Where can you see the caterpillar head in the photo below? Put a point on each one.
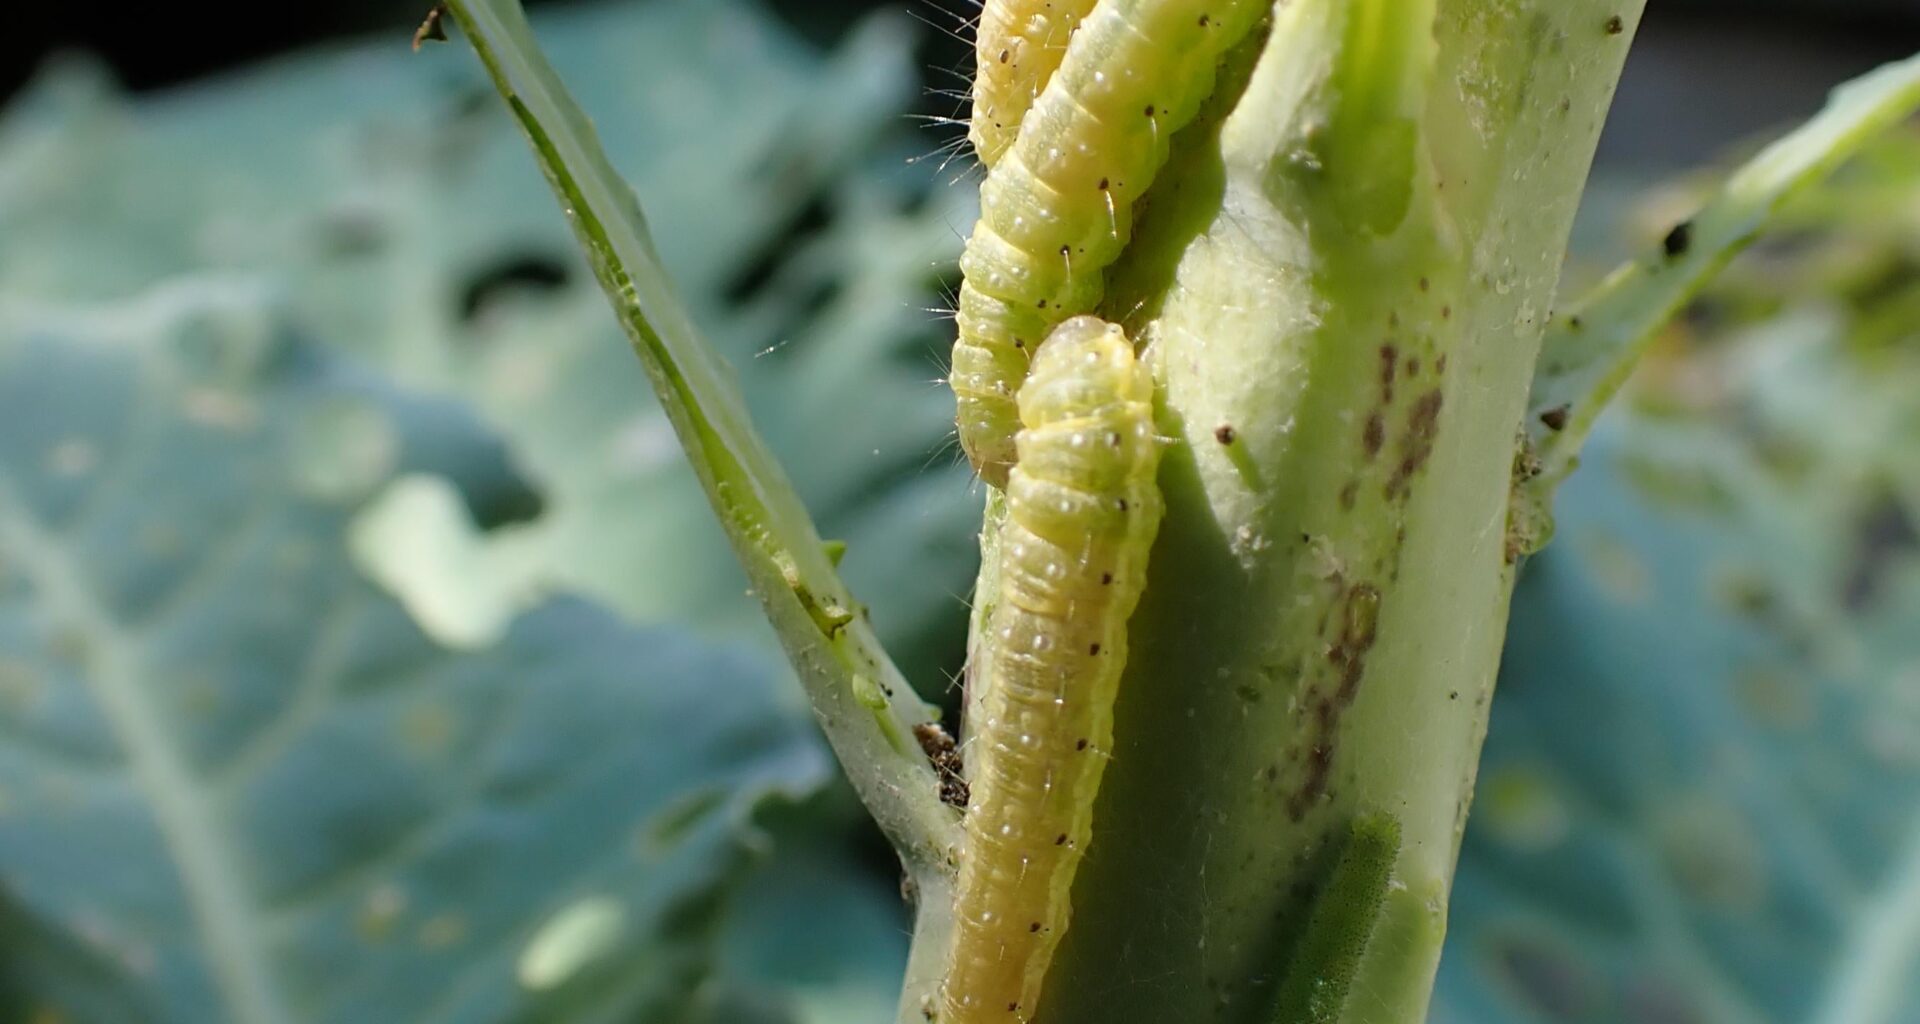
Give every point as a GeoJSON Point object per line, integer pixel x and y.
{"type": "Point", "coordinates": [1083, 369]}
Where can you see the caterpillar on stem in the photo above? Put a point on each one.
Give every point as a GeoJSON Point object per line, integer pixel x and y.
{"type": "Point", "coordinates": [1018, 46]}
{"type": "Point", "coordinates": [1083, 507]}
{"type": "Point", "coordinates": [1056, 208]}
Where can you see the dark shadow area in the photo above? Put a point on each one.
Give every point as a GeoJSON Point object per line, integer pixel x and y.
{"type": "Point", "coordinates": [1743, 67]}
{"type": "Point", "coordinates": [1707, 75]}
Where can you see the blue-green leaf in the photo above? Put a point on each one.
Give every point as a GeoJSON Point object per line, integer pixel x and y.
{"type": "Point", "coordinates": [240, 784]}
{"type": "Point", "coordinates": [1700, 799]}
{"type": "Point", "coordinates": [392, 200]}
{"type": "Point", "coordinates": [816, 929]}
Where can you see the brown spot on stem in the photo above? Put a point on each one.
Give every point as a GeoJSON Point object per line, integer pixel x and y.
{"type": "Point", "coordinates": [1678, 241]}
{"type": "Point", "coordinates": [1423, 426]}
{"type": "Point", "coordinates": [1355, 631]}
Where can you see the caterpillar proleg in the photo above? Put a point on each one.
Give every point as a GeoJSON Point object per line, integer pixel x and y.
{"type": "Point", "coordinates": [1056, 208]}
{"type": "Point", "coordinates": [1083, 507]}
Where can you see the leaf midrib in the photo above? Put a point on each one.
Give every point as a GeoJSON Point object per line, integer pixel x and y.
{"type": "Point", "coordinates": [208, 869]}
{"type": "Point", "coordinates": [1878, 963]}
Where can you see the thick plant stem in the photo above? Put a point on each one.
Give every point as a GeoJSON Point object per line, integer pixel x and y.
{"type": "Point", "coordinates": [1342, 281]}
{"type": "Point", "coordinates": [864, 705]}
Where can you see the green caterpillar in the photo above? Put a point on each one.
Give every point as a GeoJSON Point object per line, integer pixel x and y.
{"type": "Point", "coordinates": [1320, 977]}
{"type": "Point", "coordinates": [1083, 508]}
{"type": "Point", "coordinates": [1057, 206]}
{"type": "Point", "coordinates": [1017, 48]}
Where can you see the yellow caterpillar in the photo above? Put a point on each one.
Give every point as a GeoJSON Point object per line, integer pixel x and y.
{"type": "Point", "coordinates": [1017, 48]}
{"type": "Point", "coordinates": [1082, 510]}
{"type": "Point", "coordinates": [1057, 205]}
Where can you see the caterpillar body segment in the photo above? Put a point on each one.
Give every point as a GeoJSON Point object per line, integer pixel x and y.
{"type": "Point", "coordinates": [1056, 208]}
{"type": "Point", "coordinates": [1018, 47]}
{"type": "Point", "coordinates": [1083, 506]}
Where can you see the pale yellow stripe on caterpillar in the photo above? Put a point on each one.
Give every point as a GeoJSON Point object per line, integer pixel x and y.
{"type": "Point", "coordinates": [1017, 47]}
{"type": "Point", "coordinates": [1057, 209]}
{"type": "Point", "coordinates": [1083, 506]}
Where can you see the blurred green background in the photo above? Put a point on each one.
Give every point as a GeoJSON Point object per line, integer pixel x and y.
{"type": "Point", "coordinates": [366, 653]}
